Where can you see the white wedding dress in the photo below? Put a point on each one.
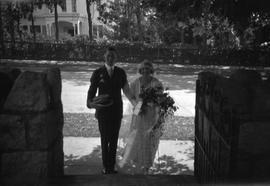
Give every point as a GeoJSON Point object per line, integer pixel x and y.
{"type": "Point", "coordinates": [141, 144]}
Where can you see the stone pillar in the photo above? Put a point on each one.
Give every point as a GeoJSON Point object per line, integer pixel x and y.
{"type": "Point", "coordinates": [97, 31]}
{"type": "Point", "coordinates": [78, 28]}
{"type": "Point", "coordinates": [52, 29]}
{"type": "Point", "coordinates": [232, 127]}
{"type": "Point", "coordinates": [7, 78]}
{"type": "Point", "coordinates": [75, 29]}
{"type": "Point", "coordinates": [31, 139]}
{"type": "Point", "coordinates": [48, 27]}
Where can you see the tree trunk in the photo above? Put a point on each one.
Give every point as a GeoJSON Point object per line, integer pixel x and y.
{"type": "Point", "coordinates": [182, 35]}
{"type": "Point", "coordinates": [12, 36]}
{"type": "Point", "coordinates": [18, 29]}
{"type": "Point", "coordinates": [88, 5]}
{"type": "Point", "coordinates": [138, 15]}
{"type": "Point", "coordinates": [33, 22]}
{"type": "Point", "coordinates": [129, 21]}
{"type": "Point", "coordinates": [11, 27]}
{"type": "Point", "coordinates": [56, 21]}
{"type": "Point", "coordinates": [2, 32]}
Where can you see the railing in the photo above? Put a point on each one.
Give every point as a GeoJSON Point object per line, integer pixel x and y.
{"type": "Point", "coordinates": [70, 51]}
{"type": "Point", "coordinates": [87, 52]}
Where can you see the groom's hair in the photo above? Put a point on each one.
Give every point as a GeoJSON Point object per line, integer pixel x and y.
{"type": "Point", "coordinates": [111, 49]}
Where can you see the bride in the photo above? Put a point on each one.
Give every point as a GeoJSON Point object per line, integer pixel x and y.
{"type": "Point", "coordinates": [143, 139]}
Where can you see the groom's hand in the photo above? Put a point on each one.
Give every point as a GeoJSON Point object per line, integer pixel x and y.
{"type": "Point", "coordinates": [89, 104]}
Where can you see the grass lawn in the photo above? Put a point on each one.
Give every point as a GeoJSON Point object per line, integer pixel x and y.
{"type": "Point", "coordinates": [85, 125]}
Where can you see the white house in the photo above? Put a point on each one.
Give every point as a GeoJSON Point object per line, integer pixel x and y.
{"type": "Point", "coordinates": [72, 20]}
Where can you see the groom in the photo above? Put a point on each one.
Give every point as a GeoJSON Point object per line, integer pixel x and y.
{"type": "Point", "coordinates": [109, 80]}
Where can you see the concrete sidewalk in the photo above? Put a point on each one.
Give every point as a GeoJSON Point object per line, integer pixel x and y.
{"type": "Point", "coordinates": [83, 157]}
{"type": "Point", "coordinates": [125, 180]}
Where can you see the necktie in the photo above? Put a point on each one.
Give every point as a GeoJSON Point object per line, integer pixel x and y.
{"type": "Point", "coordinates": [110, 71]}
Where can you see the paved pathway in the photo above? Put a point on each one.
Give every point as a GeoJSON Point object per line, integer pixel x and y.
{"type": "Point", "coordinates": [125, 180]}
{"type": "Point", "coordinates": [83, 157]}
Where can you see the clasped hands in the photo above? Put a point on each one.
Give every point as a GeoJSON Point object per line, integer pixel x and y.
{"type": "Point", "coordinates": [134, 103]}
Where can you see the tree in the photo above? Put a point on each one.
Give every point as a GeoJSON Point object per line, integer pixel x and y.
{"type": "Point", "coordinates": [56, 20]}
{"type": "Point", "coordinates": [129, 16]}
{"type": "Point", "coordinates": [52, 5]}
{"type": "Point", "coordinates": [240, 11]}
{"type": "Point", "coordinates": [138, 13]}
{"type": "Point", "coordinates": [22, 10]}
{"type": "Point", "coordinates": [172, 17]}
{"type": "Point", "coordinates": [129, 19]}
{"type": "Point", "coordinates": [88, 5]}
{"type": "Point", "coordinates": [16, 9]}
{"type": "Point", "coordinates": [251, 18]}
{"type": "Point", "coordinates": [9, 22]}
{"type": "Point", "coordinates": [114, 14]}
{"type": "Point", "coordinates": [12, 12]}
{"type": "Point", "coordinates": [1, 31]}
{"type": "Point", "coordinates": [236, 14]}
{"type": "Point", "coordinates": [32, 20]}
{"type": "Point", "coordinates": [89, 16]}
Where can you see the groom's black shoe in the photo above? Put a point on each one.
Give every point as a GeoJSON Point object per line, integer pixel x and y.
{"type": "Point", "coordinates": [105, 171]}
{"type": "Point", "coordinates": [112, 171]}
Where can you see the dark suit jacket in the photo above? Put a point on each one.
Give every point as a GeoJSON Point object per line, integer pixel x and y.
{"type": "Point", "coordinates": [112, 86]}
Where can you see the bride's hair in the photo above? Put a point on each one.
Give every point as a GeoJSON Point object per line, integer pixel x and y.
{"type": "Point", "coordinates": [146, 64]}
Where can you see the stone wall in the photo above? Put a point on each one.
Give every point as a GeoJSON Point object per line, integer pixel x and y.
{"type": "Point", "coordinates": [7, 79]}
{"type": "Point", "coordinates": [31, 122]}
{"type": "Point", "coordinates": [232, 127]}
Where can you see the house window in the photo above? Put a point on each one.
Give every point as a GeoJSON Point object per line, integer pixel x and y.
{"type": "Point", "coordinates": [25, 27]}
{"type": "Point", "coordinates": [76, 29]}
{"type": "Point", "coordinates": [74, 8]}
{"type": "Point", "coordinates": [44, 31]}
{"type": "Point", "coordinates": [95, 30]}
{"type": "Point", "coordinates": [64, 5]}
{"type": "Point", "coordinates": [37, 29]}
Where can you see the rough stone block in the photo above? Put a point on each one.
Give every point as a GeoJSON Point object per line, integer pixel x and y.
{"type": "Point", "coordinates": [254, 169]}
{"type": "Point", "coordinates": [43, 129]}
{"type": "Point", "coordinates": [55, 83]}
{"type": "Point", "coordinates": [30, 93]}
{"type": "Point", "coordinates": [12, 133]}
{"type": "Point", "coordinates": [56, 159]}
{"type": "Point", "coordinates": [243, 101]}
{"type": "Point", "coordinates": [6, 84]}
{"type": "Point", "coordinates": [246, 77]}
{"type": "Point", "coordinates": [261, 103]}
{"type": "Point", "coordinates": [24, 165]}
{"type": "Point", "coordinates": [60, 116]}
{"type": "Point", "coordinates": [207, 76]}
{"type": "Point", "coordinates": [254, 138]}
{"type": "Point", "coordinates": [234, 95]}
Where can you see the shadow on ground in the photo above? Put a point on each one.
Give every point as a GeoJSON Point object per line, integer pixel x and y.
{"type": "Point", "coordinates": [92, 164]}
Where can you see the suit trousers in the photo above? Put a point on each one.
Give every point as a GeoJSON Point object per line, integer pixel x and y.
{"type": "Point", "coordinates": [109, 130]}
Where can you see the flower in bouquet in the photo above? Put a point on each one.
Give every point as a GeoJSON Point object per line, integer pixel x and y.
{"type": "Point", "coordinates": [161, 98]}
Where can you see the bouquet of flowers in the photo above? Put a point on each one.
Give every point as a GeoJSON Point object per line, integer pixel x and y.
{"type": "Point", "coordinates": [156, 95]}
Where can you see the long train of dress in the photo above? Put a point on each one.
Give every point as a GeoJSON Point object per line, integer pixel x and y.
{"type": "Point", "coordinates": [142, 142]}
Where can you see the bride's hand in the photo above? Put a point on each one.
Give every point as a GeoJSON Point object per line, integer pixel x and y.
{"type": "Point", "coordinates": [150, 104]}
{"type": "Point", "coordinates": [133, 102]}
